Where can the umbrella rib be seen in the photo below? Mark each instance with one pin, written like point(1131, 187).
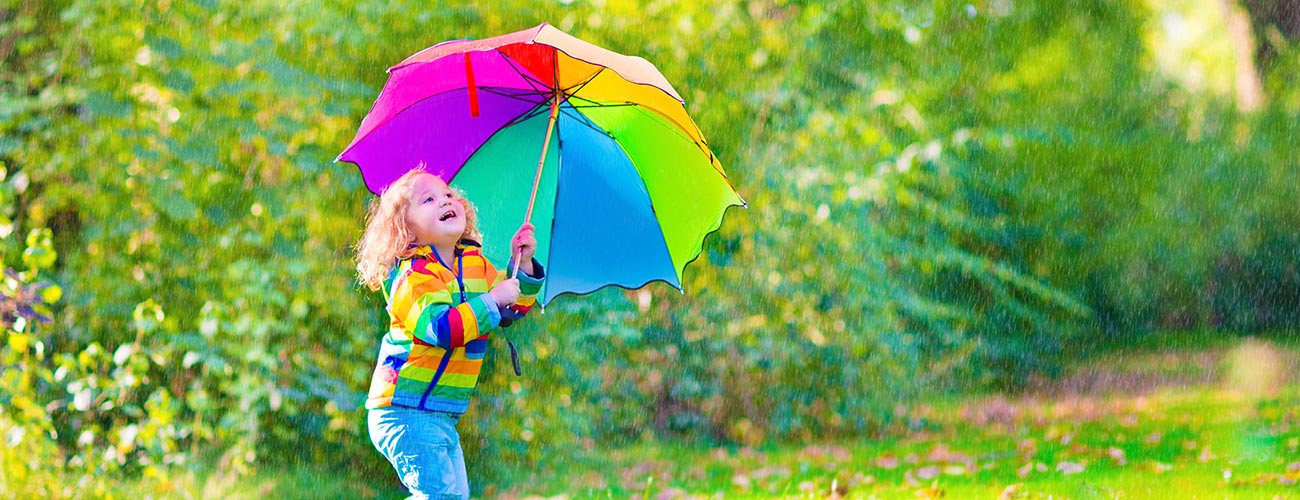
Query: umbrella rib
point(678, 129)
point(650, 199)
point(393, 115)
point(704, 147)
point(516, 96)
point(650, 112)
point(598, 104)
point(514, 121)
point(541, 90)
point(555, 201)
point(578, 87)
point(532, 113)
point(580, 118)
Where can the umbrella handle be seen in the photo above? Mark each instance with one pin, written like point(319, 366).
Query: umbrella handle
point(514, 259)
point(537, 179)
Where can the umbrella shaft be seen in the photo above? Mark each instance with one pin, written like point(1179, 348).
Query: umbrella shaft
point(537, 179)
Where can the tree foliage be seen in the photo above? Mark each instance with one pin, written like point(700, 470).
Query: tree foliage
point(943, 195)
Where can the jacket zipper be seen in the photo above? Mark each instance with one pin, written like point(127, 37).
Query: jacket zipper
point(446, 355)
point(442, 365)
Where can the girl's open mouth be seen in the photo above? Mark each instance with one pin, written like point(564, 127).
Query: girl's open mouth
point(448, 215)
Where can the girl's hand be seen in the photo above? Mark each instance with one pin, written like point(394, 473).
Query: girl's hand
point(524, 244)
point(506, 292)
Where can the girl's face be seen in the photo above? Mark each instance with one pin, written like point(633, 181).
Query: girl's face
point(435, 215)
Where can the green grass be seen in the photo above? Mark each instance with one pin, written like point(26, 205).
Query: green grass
point(1215, 417)
point(1200, 443)
point(1205, 416)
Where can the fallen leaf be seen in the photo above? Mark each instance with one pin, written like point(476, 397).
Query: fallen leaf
point(1028, 447)
point(860, 478)
point(941, 453)
point(1013, 492)
point(838, 453)
point(932, 493)
point(769, 471)
point(1117, 455)
point(1068, 468)
point(838, 490)
point(1160, 468)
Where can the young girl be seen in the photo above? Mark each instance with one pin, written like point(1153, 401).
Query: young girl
point(444, 299)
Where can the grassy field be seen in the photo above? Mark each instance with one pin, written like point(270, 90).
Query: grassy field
point(1208, 416)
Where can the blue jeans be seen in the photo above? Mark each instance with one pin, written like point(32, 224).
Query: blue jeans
point(424, 448)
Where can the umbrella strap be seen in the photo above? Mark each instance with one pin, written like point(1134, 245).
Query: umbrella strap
point(514, 356)
point(473, 89)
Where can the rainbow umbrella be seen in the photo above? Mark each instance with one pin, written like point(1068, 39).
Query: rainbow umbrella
point(624, 189)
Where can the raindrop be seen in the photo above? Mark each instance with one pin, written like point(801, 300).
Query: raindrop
point(912, 34)
point(20, 182)
point(143, 56)
point(823, 213)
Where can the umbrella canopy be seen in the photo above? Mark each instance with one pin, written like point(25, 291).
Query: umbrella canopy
point(626, 187)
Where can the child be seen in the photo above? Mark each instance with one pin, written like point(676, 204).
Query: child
point(444, 299)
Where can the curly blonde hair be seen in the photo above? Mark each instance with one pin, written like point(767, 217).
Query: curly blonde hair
point(387, 237)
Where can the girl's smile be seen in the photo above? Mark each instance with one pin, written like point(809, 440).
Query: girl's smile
point(435, 215)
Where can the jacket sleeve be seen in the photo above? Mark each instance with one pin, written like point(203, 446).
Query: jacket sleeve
point(423, 304)
point(529, 287)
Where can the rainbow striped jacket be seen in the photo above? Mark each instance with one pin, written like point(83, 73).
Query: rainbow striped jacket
point(441, 319)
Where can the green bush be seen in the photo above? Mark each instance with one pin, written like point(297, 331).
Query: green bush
point(943, 196)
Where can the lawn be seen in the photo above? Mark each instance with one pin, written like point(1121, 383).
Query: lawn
point(1200, 417)
point(1206, 418)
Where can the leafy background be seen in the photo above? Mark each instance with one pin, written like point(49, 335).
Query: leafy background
point(945, 197)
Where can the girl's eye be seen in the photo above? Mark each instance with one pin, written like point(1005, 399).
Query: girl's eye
point(429, 199)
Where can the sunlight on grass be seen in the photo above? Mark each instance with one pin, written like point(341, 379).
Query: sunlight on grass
point(1211, 419)
point(1235, 438)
